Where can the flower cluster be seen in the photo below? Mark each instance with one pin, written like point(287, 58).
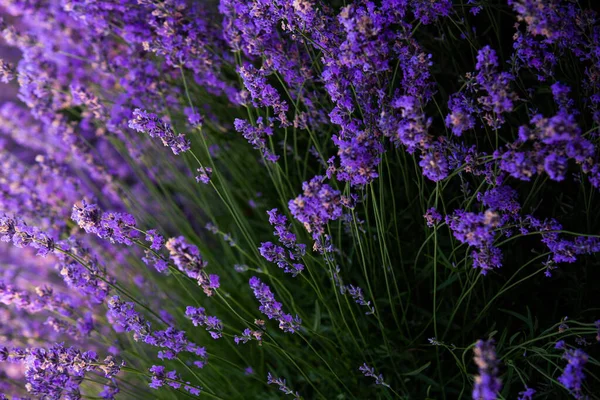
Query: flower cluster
point(171, 341)
point(370, 372)
point(186, 257)
point(272, 308)
point(57, 371)
point(160, 377)
point(271, 380)
point(487, 384)
point(288, 260)
point(411, 140)
point(199, 318)
point(149, 123)
point(112, 226)
point(573, 376)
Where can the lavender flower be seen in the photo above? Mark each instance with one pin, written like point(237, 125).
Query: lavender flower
point(113, 226)
point(432, 217)
point(57, 363)
point(149, 123)
point(272, 308)
point(318, 205)
point(527, 394)
point(155, 239)
point(370, 372)
point(262, 93)
point(7, 71)
point(188, 260)
point(478, 230)
point(357, 294)
point(487, 384)
point(256, 136)
point(161, 377)
point(171, 341)
point(573, 376)
point(204, 175)
point(248, 335)
point(199, 318)
point(435, 165)
point(271, 380)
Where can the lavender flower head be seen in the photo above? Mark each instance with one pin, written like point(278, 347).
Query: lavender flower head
point(573, 376)
point(149, 123)
point(487, 384)
point(370, 372)
point(272, 308)
point(271, 380)
point(187, 259)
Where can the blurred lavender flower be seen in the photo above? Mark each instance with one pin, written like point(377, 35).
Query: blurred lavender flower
point(573, 376)
point(527, 394)
point(271, 380)
point(7, 71)
point(370, 372)
point(204, 175)
point(487, 384)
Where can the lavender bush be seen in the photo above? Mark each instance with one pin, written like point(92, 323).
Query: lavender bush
point(260, 199)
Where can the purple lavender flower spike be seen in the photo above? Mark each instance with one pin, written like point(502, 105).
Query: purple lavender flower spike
point(271, 380)
point(573, 376)
point(487, 384)
point(149, 123)
point(370, 372)
point(272, 308)
point(199, 318)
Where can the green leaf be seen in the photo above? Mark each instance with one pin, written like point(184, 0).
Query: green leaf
point(418, 370)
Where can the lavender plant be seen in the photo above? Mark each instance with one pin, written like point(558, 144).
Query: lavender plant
point(257, 199)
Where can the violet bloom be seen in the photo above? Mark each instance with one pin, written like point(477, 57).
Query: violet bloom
point(318, 205)
point(257, 136)
point(487, 384)
point(272, 308)
point(194, 118)
point(161, 377)
point(359, 157)
point(149, 123)
point(434, 164)
point(500, 198)
point(286, 260)
point(428, 12)
point(57, 363)
point(112, 226)
point(124, 317)
point(499, 97)
point(432, 217)
point(573, 376)
point(204, 175)
point(271, 380)
point(460, 118)
point(199, 318)
point(357, 294)
point(155, 239)
point(22, 235)
point(262, 93)
point(478, 230)
point(82, 96)
point(248, 335)
point(187, 259)
point(170, 341)
point(370, 372)
point(527, 394)
point(7, 71)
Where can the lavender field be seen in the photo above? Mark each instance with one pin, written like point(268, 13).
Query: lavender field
point(303, 199)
